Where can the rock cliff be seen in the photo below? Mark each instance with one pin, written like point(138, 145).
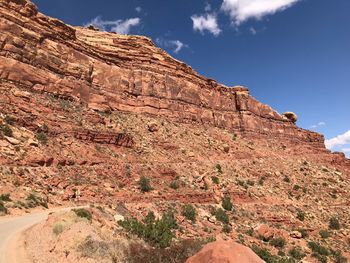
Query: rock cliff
point(112, 72)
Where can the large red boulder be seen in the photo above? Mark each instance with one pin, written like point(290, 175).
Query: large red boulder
point(225, 252)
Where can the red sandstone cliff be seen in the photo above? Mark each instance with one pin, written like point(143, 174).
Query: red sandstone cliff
point(109, 72)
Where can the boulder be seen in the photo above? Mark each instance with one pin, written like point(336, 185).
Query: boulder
point(225, 252)
point(290, 116)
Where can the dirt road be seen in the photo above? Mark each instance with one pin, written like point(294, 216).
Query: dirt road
point(11, 240)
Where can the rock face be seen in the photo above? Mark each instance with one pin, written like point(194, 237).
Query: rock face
point(111, 72)
point(225, 251)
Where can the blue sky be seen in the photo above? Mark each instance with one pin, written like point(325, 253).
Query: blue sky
point(292, 54)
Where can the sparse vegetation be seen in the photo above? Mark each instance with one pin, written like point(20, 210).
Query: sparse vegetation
point(227, 204)
point(158, 233)
point(33, 201)
point(278, 242)
point(3, 209)
point(334, 223)
point(269, 258)
point(83, 213)
point(175, 184)
point(6, 130)
point(5, 197)
point(324, 233)
point(297, 253)
point(189, 212)
point(300, 215)
point(318, 251)
point(221, 216)
point(226, 228)
point(58, 229)
point(215, 179)
point(218, 168)
point(145, 185)
point(42, 138)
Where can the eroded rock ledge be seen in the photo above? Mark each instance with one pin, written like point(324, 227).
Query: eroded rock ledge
point(108, 71)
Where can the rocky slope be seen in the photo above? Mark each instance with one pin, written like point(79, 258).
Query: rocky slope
point(84, 114)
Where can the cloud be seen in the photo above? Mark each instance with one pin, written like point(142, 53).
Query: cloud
point(242, 10)
point(176, 45)
point(346, 150)
point(207, 22)
point(117, 26)
point(339, 141)
point(138, 9)
point(207, 7)
point(253, 31)
point(320, 124)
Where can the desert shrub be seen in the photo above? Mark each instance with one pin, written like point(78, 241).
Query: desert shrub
point(158, 233)
point(42, 138)
point(303, 232)
point(94, 248)
point(324, 233)
point(278, 242)
point(3, 209)
point(33, 201)
point(297, 253)
point(250, 183)
point(221, 216)
point(227, 204)
point(334, 223)
point(264, 254)
point(189, 211)
point(58, 229)
point(5, 198)
point(6, 130)
point(218, 168)
point(215, 179)
point(9, 120)
point(300, 215)
point(145, 185)
point(178, 252)
point(286, 179)
point(226, 228)
point(338, 257)
point(318, 249)
point(175, 184)
point(83, 213)
point(296, 187)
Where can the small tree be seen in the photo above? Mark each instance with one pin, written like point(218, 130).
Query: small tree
point(189, 212)
point(227, 204)
point(145, 185)
point(221, 216)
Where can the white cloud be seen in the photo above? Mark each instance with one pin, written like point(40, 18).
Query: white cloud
point(176, 45)
point(242, 10)
point(320, 124)
point(253, 31)
point(339, 141)
point(138, 9)
point(207, 7)
point(117, 26)
point(346, 150)
point(206, 22)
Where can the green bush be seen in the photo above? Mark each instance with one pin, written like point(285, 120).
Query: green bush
point(226, 228)
point(278, 242)
point(6, 130)
point(42, 138)
point(3, 209)
point(5, 198)
point(83, 213)
point(264, 254)
point(221, 216)
point(227, 204)
point(297, 253)
point(58, 229)
point(33, 201)
point(338, 257)
point(318, 249)
point(324, 233)
point(218, 168)
point(189, 212)
point(334, 223)
point(300, 215)
point(158, 233)
point(145, 185)
point(303, 232)
point(215, 179)
point(175, 184)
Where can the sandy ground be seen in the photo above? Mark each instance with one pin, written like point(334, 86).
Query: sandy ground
point(11, 239)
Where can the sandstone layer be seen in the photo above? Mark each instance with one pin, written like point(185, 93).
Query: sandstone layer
point(108, 72)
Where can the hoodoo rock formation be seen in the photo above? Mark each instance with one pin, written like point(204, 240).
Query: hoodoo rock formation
point(108, 72)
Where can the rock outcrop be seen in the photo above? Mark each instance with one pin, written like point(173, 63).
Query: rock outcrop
point(112, 72)
point(225, 251)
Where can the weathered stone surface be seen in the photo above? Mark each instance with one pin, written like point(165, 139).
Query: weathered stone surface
point(225, 251)
point(110, 72)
